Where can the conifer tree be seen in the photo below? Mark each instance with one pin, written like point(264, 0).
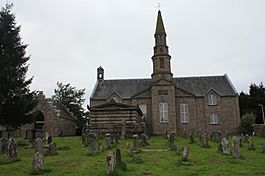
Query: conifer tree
point(16, 99)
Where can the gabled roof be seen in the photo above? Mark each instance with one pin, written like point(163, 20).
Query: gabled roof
point(198, 86)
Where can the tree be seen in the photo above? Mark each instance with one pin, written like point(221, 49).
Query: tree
point(249, 103)
point(16, 100)
point(246, 123)
point(73, 99)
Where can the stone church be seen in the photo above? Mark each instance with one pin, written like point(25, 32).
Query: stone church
point(168, 104)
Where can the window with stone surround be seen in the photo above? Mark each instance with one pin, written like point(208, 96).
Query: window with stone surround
point(163, 109)
point(213, 119)
point(184, 113)
point(143, 109)
point(212, 99)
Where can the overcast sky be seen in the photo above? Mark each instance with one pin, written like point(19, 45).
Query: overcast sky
point(69, 39)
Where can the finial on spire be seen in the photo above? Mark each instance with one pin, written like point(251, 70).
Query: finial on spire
point(159, 24)
point(159, 6)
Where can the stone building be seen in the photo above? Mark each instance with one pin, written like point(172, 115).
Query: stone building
point(173, 104)
point(51, 117)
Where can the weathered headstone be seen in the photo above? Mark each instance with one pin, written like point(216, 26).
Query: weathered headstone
point(39, 147)
point(110, 164)
point(38, 162)
point(174, 147)
point(52, 149)
point(129, 150)
point(171, 139)
point(250, 144)
point(108, 141)
point(11, 152)
point(204, 140)
point(117, 157)
point(185, 154)
point(84, 142)
point(49, 140)
point(46, 136)
point(3, 145)
point(135, 143)
point(191, 139)
point(225, 146)
point(236, 152)
point(246, 138)
point(143, 139)
point(123, 129)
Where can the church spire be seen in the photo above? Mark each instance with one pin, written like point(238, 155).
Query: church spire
point(161, 58)
point(160, 29)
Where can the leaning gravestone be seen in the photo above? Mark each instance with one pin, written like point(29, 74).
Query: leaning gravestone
point(236, 144)
point(39, 145)
point(110, 164)
point(11, 152)
point(52, 149)
point(135, 143)
point(225, 146)
point(37, 161)
point(185, 154)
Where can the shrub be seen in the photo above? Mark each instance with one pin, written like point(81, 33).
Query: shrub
point(246, 124)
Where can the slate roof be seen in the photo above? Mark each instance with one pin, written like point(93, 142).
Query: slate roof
point(198, 86)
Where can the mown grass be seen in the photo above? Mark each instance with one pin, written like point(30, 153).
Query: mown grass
point(72, 160)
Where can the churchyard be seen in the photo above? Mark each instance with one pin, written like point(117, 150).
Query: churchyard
point(163, 156)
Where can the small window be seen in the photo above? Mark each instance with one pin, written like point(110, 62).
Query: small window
point(184, 113)
point(212, 99)
point(163, 109)
point(214, 119)
point(162, 63)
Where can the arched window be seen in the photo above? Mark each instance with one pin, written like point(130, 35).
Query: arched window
point(214, 118)
point(163, 109)
point(184, 113)
point(212, 99)
point(143, 109)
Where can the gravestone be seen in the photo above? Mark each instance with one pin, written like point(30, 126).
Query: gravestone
point(93, 145)
point(108, 141)
point(49, 140)
point(143, 139)
point(39, 145)
point(129, 150)
point(38, 133)
point(204, 140)
point(3, 145)
point(185, 154)
point(191, 139)
point(46, 136)
point(171, 139)
point(250, 144)
point(11, 152)
point(246, 138)
point(110, 164)
point(117, 157)
point(37, 161)
point(52, 149)
point(236, 153)
point(135, 143)
point(174, 147)
point(225, 146)
point(84, 143)
point(123, 129)
point(263, 148)
point(216, 136)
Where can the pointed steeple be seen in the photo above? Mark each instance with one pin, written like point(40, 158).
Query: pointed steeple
point(161, 57)
point(160, 29)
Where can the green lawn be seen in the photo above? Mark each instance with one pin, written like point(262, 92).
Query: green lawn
point(205, 161)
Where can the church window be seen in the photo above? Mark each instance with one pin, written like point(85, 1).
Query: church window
point(214, 119)
point(163, 109)
point(162, 62)
point(212, 99)
point(184, 113)
point(143, 109)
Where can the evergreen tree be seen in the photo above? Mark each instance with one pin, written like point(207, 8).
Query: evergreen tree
point(16, 100)
point(73, 99)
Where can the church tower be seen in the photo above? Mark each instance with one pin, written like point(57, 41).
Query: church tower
point(161, 58)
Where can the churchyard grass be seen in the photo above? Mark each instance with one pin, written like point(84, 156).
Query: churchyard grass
point(72, 159)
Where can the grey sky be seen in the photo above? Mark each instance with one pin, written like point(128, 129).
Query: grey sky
point(69, 39)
